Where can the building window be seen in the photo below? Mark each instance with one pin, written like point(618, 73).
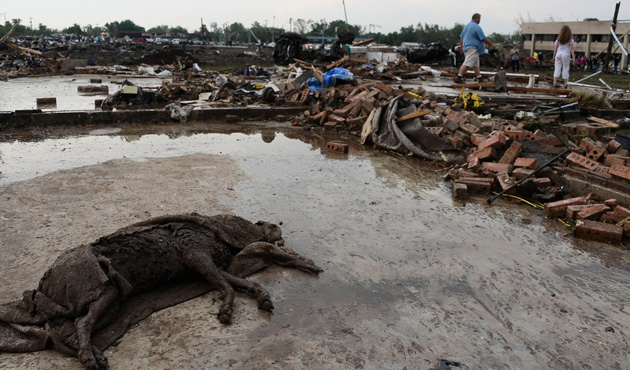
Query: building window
point(527, 37)
point(579, 38)
point(599, 38)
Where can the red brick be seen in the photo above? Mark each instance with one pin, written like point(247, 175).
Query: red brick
point(607, 218)
point(488, 153)
point(596, 154)
point(529, 163)
point(513, 151)
point(542, 183)
point(505, 181)
point(468, 128)
point(476, 139)
point(593, 212)
point(456, 143)
point(620, 171)
point(337, 147)
point(580, 160)
point(521, 173)
point(613, 159)
point(517, 135)
point(613, 146)
point(592, 230)
point(559, 208)
point(620, 213)
point(460, 191)
point(474, 164)
point(587, 145)
point(572, 211)
point(456, 174)
point(612, 203)
point(475, 186)
point(456, 116)
point(497, 167)
point(496, 142)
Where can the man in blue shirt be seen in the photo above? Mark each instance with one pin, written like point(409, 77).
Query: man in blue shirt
point(472, 40)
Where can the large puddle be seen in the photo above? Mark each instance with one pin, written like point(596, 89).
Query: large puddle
point(22, 93)
point(411, 275)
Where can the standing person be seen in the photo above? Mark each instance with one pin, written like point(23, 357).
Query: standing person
point(472, 40)
point(516, 58)
point(562, 55)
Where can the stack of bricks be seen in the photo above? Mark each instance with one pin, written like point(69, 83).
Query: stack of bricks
point(496, 153)
point(343, 106)
point(607, 160)
point(606, 221)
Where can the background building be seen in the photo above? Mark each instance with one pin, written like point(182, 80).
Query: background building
point(591, 37)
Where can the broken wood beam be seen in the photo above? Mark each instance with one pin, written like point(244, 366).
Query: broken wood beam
point(417, 114)
point(364, 42)
point(539, 90)
point(474, 86)
point(11, 45)
point(602, 121)
point(318, 75)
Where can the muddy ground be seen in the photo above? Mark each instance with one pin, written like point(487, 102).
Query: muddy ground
point(411, 276)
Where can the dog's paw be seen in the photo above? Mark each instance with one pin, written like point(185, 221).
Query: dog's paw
point(264, 302)
point(225, 315)
point(92, 358)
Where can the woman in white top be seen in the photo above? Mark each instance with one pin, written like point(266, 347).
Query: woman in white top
point(562, 55)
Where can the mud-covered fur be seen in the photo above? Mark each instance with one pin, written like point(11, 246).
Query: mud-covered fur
point(84, 288)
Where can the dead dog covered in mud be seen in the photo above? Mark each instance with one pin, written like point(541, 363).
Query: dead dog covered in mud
point(93, 293)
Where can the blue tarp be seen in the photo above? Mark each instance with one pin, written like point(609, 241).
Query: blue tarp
point(331, 77)
point(314, 84)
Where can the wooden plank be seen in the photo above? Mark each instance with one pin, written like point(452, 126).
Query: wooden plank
point(335, 63)
point(602, 121)
point(318, 75)
point(364, 42)
point(474, 86)
point(355, 59)
point(420, 113)
point(23, 50)
point(540, 90)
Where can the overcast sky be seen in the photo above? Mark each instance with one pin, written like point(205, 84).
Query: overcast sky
point(390, 15)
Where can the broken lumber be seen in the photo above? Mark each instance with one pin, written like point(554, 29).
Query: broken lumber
point(602, 121)
point(23, 50)
point(474, 86)
point(540, 90)
point(364, 42)
point(420, 113)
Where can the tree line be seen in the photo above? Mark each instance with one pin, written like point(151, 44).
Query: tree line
point(238, 32)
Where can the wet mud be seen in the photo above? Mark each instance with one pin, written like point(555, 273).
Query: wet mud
point(411, 276)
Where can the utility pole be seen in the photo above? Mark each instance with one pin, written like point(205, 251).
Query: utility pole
point(31, 19)
point(346, 14)
point(202, 33)
point(610, 39)
point(273, 30)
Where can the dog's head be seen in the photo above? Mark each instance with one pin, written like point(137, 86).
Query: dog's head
point(272, 233)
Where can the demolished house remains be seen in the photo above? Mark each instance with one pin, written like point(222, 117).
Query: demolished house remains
point(511, 136)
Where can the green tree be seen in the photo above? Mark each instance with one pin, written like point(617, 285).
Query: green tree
point(262, 33)
point(75, 29)
point(340, 26)
point(123, 26)
point(159, 29)
point(236, 32)
point(178, 29)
